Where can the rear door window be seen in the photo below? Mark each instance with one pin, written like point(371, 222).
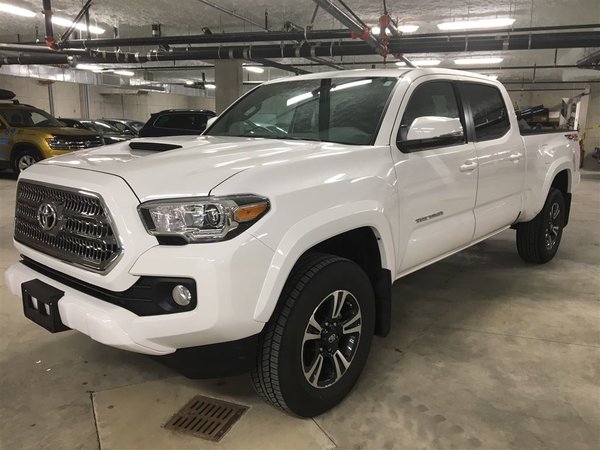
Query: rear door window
point(489, 112)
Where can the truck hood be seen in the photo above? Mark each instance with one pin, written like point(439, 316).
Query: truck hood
point(201, 163)
point(61, 131)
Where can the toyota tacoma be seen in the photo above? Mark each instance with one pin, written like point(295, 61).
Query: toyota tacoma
point(271, 242)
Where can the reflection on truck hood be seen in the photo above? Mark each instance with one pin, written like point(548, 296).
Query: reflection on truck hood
point(194, 169)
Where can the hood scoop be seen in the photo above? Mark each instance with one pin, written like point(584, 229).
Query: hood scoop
point(153, 146)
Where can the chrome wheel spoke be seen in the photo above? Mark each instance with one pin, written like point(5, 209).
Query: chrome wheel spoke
point(341, 364)
point(339, 298)
point(311, 335)
point(352, 325)
point(313, 374)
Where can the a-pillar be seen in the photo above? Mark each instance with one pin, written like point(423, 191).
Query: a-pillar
point(229, 82)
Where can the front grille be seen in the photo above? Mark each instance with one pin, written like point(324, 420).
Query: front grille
point(75, 142)
point(78, 229)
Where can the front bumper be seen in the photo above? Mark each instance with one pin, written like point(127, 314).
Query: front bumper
point(228, 277)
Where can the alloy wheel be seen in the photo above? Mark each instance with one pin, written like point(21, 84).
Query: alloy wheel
point(331, 339)
point(552, 226)
point(25, 161)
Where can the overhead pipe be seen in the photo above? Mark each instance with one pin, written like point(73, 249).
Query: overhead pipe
point(299, 35)
point(402, 45)
point(49, 36)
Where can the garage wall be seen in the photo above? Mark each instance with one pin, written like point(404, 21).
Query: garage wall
point(104, 102)
point(28, 90)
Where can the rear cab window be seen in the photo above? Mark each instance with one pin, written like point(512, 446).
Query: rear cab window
point(182, 121)
point(489, 112)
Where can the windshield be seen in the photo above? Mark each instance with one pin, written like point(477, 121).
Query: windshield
point(28, 118)
point(100, 127)
point(342, 110)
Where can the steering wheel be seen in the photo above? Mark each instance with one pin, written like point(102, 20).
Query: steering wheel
point(269, 129)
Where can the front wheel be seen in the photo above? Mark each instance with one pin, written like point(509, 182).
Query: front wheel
point(25, 159)
point(314, 348)
point(538, 239)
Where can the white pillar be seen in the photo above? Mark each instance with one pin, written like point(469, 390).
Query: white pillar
point(229, 82)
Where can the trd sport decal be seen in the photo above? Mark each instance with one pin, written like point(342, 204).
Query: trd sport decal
point(430, 216)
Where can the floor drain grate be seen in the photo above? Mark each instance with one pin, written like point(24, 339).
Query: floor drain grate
point(205, 417)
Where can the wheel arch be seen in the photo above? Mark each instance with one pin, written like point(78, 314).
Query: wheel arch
point(364, 238)
point(22, 146)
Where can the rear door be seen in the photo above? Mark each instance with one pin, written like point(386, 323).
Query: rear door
point(437, 177)
point(500, 155)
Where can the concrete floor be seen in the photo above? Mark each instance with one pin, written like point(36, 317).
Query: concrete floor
point(486, 352)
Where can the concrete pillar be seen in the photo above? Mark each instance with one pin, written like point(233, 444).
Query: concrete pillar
point(229, 81)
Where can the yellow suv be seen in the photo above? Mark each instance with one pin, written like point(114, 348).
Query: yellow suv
point(28, 135)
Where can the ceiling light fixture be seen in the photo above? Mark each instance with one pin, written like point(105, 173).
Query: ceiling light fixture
point(209, 86)
point(17, 11)
point(402, 28)
point(189, 82)
point(254, 69)
point(499, 22)
point(93, 67)
point(478, 61)
point(80, 26)
point(421, 62)
point(125, 73)
point(408, 28)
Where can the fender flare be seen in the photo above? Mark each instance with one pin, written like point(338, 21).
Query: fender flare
point(322, 225)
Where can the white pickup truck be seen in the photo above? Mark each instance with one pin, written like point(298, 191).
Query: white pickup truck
point(271, 242)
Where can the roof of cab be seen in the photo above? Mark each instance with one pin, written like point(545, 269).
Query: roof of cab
point(392, 72)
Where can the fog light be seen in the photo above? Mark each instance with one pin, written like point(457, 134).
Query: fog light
point(181, 295)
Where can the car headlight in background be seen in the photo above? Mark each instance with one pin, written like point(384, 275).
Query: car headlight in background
point(206, 219)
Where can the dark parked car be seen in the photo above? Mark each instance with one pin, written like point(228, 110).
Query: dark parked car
point(173, 122)
point(109, 134)
point(124, 125)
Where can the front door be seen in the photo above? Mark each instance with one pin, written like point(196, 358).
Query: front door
point(436, 170)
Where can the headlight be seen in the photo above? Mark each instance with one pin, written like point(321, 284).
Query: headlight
point(206, 219)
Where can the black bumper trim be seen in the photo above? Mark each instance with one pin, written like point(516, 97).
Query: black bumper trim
point(149, 296)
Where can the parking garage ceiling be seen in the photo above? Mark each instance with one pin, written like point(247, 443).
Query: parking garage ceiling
point(134, 18)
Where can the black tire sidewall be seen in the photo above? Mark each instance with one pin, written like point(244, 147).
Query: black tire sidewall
point(300, 397)
point(554, 196)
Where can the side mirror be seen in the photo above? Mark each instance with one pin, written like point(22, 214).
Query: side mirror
point(432, 131)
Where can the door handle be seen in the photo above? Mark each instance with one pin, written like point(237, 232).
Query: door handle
point(468, 166)
point(515, 157)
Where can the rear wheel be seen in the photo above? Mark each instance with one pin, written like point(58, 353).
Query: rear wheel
point(26, 158)
point(538, 239)
point(314, 348)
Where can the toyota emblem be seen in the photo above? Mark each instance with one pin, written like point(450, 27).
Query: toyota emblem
point(47, 216)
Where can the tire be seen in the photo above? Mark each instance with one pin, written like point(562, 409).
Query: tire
point(25, 158)
point(287, 372)
point(538, 240)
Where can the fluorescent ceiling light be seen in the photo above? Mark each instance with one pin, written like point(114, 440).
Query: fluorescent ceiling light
point(421, 62)
point(189, 82)
point(478, 61)
point(298, 98)
point(499, 22)
point(11, 9)
point(402, 28)
point(80, 26)
point(209, 86)
point(125, 73)
point(408, 28)
point(93, 67)
point(254, 69)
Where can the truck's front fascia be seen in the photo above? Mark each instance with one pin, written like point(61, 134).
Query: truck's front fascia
point(227, 276)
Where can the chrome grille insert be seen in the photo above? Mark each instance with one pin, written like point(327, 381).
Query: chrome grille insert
point(82, 234)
